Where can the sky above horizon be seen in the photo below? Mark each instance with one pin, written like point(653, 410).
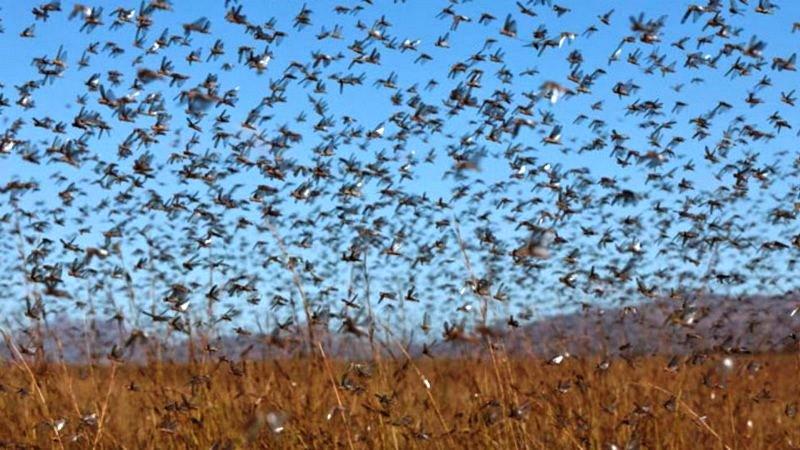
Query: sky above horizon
point(518, 180)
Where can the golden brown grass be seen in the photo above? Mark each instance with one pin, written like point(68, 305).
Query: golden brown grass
point(471, 403)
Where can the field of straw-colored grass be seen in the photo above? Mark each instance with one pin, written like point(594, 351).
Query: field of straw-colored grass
point(744, 402)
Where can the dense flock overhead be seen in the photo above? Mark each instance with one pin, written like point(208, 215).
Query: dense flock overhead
point(442, 170)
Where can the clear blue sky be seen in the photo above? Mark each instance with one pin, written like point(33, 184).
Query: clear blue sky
point(370, 106)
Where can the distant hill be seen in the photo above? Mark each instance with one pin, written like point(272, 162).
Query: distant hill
point(663, 326)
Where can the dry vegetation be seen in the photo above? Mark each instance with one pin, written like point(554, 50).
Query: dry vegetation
point(494, 402)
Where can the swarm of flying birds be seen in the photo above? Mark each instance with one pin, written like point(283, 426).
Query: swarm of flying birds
point(256, 169)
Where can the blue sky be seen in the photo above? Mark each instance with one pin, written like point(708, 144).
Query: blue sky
point(371, 106)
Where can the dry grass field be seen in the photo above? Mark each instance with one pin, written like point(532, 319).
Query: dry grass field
point(737, 402)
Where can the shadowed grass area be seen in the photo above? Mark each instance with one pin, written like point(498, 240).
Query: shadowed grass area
point(714, 402)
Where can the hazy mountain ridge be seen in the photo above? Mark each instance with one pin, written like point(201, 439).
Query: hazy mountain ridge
point(708, 323)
